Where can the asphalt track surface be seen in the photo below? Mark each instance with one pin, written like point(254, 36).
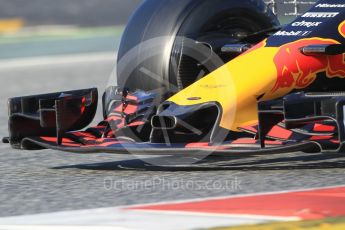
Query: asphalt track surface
point(47, 181)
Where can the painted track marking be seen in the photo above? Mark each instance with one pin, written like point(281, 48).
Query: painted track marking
point(306, 205)
point(201, 213)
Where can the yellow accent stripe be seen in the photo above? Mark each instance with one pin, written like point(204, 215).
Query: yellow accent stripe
point(331, 223)
point(11, 25)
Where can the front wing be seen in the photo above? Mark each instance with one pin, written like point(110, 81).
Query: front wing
point(54, 121)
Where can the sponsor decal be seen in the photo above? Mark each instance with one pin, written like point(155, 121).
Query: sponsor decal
point(342, 29)
point(297, 71)
point(325, 5)
point(299, 33)
point(320, 14)
point(306, 24)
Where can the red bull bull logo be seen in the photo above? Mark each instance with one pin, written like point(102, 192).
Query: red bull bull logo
point(297, 71)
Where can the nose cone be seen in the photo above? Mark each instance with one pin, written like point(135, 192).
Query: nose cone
point(236, 86)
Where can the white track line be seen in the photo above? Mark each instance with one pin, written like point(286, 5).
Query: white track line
point(47, 227)
point(125, 219)
point(56, 60)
